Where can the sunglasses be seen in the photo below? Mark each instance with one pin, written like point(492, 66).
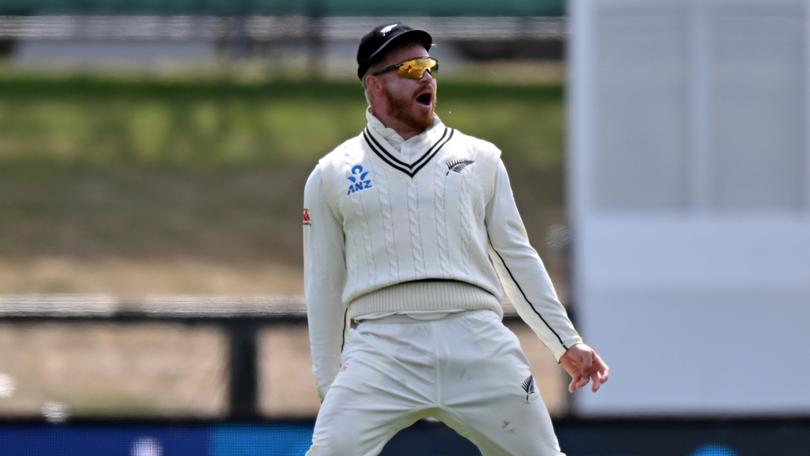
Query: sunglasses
point(412, 68)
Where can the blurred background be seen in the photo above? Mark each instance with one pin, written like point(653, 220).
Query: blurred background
point(152, 162)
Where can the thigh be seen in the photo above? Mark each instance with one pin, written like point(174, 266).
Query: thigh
point(374, 396)
point(499, 407)
point(506, 426)
point(349, 423)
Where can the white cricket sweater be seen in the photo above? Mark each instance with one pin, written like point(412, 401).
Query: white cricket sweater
point(427, 224)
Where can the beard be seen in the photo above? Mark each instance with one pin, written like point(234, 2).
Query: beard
point(404, 110)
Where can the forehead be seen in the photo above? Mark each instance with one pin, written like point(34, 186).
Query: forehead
point(405, 52)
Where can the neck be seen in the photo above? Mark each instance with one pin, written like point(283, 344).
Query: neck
point(403, 129)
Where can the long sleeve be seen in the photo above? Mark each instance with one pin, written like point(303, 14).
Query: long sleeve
point(324, 280)
point(522, 273)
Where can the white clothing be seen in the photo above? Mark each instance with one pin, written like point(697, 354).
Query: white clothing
point(437, 230)
point(403, 147)
point(397, 370)
point(407, 147)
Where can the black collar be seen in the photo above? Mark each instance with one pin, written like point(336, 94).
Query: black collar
point(412, 168)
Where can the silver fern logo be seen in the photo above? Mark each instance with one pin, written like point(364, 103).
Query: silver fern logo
point(385, 30)
point(457, 166)
point(528, 386)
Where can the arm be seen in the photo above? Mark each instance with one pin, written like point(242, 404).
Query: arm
point(324, 279)
point(529, 288)
point(522, 273)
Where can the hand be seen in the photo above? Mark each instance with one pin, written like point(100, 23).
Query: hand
point(583, 364)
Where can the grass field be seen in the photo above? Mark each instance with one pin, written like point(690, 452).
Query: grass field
point(194, 177)
point(130, 187)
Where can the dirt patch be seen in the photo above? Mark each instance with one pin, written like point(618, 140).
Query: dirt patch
point(135, 277)
point(91, 369)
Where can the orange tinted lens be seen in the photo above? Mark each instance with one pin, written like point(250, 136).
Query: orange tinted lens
point(415, 68)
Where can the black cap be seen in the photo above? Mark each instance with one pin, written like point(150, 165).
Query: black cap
point(381, 38)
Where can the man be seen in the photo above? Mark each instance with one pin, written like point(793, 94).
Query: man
point(410, 233)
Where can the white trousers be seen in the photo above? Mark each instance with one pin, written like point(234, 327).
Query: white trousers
point(466, 369)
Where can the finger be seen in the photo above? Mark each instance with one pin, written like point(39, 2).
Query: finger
point(597, 360)
point(583, 380)
point(597, 381)
point(577, 382)
point(602, 367)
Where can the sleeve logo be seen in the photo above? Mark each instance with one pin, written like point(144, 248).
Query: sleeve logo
point(307, 220)
point(358, 180)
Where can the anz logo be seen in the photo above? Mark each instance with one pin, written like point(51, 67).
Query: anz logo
point(358, 180)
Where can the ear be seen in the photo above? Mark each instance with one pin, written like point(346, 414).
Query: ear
point(373, 84)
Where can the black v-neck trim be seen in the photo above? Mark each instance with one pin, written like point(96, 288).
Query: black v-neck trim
point(413, 168)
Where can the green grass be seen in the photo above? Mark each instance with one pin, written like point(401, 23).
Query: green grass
point(203, 123)
point(110, 166)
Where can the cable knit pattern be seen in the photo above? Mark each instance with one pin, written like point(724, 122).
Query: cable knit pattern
point(372, 270)
point(440, 212)
point(351, 265)
point(464, 209)
point(413, 224)
point(388, 228)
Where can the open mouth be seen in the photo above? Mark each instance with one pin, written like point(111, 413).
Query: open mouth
point(425, 99)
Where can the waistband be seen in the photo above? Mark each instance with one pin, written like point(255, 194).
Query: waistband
point(424, 295)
